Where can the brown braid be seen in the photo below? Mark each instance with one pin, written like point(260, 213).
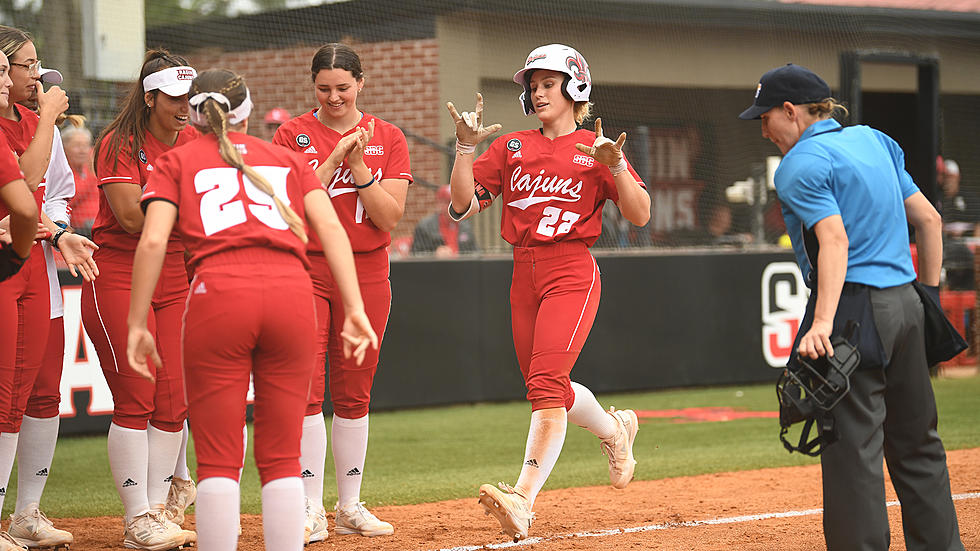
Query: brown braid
point(218, 123)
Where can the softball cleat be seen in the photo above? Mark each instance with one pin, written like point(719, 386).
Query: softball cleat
point(510, 508)
point(619, 448)
point(32, 529)
point(355, 519)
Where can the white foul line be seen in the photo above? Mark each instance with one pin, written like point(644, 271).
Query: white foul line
point(666, 526)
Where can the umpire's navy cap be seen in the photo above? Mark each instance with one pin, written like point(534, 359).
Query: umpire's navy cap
point(792, 83)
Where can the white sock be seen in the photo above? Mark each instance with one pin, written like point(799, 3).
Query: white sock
point(348, 440)
point(8, 451)
point(218, 514)
point(545, 438)
point(283, 514)
point(35, 450)
point(128, 461)
point(588, 414)
point(313, 456)
point(181, 471)
point(163, 448)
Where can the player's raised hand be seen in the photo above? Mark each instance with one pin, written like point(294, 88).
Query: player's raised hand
point(139, 346)
point(603, 149)
point(358, 335)
point(469, 125)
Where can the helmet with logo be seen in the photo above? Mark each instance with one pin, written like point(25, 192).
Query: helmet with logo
point(560, 58)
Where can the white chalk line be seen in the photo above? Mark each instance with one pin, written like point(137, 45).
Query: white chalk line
point(666, 526)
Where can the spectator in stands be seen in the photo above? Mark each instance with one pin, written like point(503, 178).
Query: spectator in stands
point(960, 208)
point(961, 219)
point(85, 205)
point(439, 234)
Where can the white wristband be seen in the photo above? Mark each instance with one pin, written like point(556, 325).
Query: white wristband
point(619, 167)
point(464, 149)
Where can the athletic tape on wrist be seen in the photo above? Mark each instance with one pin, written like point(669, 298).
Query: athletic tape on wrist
point(465, 149)
point(619, 167)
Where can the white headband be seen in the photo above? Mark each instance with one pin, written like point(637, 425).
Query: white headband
point(235, 115)
point(173, 81)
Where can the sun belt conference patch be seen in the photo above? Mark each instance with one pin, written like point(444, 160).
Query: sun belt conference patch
point(514, 144)
point(302, 140)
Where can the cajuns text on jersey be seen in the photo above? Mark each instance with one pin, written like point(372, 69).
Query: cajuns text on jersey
point(551, 191)
point(386, 156)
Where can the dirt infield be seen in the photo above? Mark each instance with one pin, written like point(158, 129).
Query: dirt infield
point(593, 518)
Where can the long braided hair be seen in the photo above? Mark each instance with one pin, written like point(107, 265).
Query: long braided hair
point(233, 87)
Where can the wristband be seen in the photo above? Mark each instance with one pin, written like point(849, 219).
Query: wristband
point(465, 149)
point(619, 167)
point(62, 225)
point(369, 184)
point(57, 236)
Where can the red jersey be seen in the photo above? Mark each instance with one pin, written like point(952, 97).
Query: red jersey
point(386, 156)
point(9, 169)
point(106, 231)
point(19, 135)
point(551, 191)
point(219, 209)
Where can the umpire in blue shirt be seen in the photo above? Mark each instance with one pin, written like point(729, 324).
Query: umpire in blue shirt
point(847, 201)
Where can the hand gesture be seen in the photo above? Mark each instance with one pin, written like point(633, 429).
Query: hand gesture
point(51, 103)
point(603, 149)
point(363, 136)
point(358, 334)
point(469, 126)
point(77, 251)
point(139, 346)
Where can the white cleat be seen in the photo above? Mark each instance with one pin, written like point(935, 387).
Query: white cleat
point(316, 523)
point(151, 531)
point(181, 495)
point(32, 529)
point(509, 507)
point(355, 519)
point(619, 448)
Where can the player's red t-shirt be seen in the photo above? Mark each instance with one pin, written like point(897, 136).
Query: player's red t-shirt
point(219, 209)
point(386, 156)
point(19, 135)
point(551, 191)
point(106, 231)
point(9, 169)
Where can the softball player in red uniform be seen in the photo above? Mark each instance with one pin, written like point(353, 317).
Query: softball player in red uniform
point(553, 187)
point(148, 418)
point(243, 226)
point(368, 187)
point(34, 138)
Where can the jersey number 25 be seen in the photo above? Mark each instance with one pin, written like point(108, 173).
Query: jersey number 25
point(220, 186)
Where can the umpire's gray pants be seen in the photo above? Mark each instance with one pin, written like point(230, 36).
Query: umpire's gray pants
point(891, 410)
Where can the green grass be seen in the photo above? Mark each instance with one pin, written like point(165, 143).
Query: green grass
point(435, 454)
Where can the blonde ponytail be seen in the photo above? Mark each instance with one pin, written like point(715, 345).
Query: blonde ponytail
point(218, 122)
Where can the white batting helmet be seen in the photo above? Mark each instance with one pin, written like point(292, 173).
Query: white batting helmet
point(560, 58)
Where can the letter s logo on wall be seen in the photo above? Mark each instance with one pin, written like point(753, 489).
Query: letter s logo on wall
point(784, 297)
